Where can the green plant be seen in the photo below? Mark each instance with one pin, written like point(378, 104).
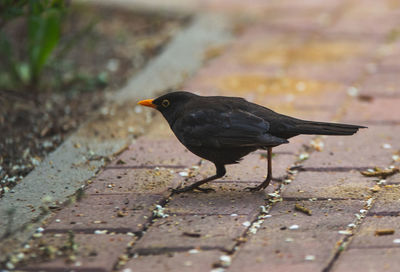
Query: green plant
point(43, 19)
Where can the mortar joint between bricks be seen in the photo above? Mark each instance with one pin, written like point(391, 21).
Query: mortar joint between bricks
point(351, 231)
point(127, 254)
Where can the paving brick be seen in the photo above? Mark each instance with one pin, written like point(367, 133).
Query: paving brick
point(323, 106)
point(116, 181)
point(277, 248)
point(365, 237)
point(216, 203)
point(368, 19)
point(379, 111)
point(295, 146)
point(185, 261)
point(343, 73)
point(394, 180)
point(260, 7)
point(101, 212)
point(388, 201)
point(389, 63)
point(94, 252)
point(368, 260)
point(328, 5)
point(362, 150)
point(303, 24)
point(323, 211)
point(348, 185)
point(179, 233)
point(155, 152)
point(384, 83)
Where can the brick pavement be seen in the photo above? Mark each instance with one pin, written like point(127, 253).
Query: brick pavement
point(325, 60)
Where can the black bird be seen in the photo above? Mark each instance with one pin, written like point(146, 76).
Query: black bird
point(225, 129)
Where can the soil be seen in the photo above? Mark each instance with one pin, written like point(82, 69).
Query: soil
point(32, 124)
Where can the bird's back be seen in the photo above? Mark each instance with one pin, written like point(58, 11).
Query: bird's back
point(280, 125)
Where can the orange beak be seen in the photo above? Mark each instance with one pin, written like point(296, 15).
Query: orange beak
point(147, 103)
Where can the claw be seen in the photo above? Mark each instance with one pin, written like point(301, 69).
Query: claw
point(190, 188)
point(253, 189)
point(205, 190)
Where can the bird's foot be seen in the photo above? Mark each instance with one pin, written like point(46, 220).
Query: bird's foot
point(254, 189)
point(191, 188)
point(205, 190)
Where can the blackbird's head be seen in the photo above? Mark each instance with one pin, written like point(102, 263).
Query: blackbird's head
point(170, 105)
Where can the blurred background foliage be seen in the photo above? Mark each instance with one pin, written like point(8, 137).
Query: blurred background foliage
point(31, 40)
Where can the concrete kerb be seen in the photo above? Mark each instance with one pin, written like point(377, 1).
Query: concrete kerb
point(67, 169)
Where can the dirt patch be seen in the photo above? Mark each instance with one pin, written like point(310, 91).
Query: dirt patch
point(119, 44)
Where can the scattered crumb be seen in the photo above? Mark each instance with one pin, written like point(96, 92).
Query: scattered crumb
point(309, 258)
point(375, 189)
point(225, 260)
point(302, 209)
point(158, 212)
point(352, 91)
point(386, 146)
point(317, 144)
point(381, 232)
point(246, 224)
point(382, 173)
point(304, 156)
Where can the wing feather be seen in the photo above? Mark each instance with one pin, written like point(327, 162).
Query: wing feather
point(235, 128)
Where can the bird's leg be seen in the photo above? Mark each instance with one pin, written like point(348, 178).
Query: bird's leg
point(220, 173)
point(269, 175)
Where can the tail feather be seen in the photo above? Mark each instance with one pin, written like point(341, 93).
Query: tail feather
point(322, 128)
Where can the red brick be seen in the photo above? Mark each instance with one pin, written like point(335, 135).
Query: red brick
point(323, 106)
point(185, 261)
point(260, 7)
point(385, 82)
point(155, 152)
point(389, 63)
point(285, 215)
point(216, 203)
point(344, 73)
point(364, 149)
point(394, 179)
point(94, 253)
point(365, 237)
point(116, 181)
point(100, 212)
point(377, 111)
point(348, 185)
point(328, 5)
point(168, 234)
point(369, 19)
point(388, 200)
point(317, 235)
point(361, 260)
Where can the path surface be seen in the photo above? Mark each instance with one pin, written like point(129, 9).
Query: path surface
point(318, 60)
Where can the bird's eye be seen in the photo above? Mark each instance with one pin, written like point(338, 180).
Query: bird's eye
point(165, 103)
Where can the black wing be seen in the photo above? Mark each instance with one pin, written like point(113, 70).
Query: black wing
point(213, 129)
